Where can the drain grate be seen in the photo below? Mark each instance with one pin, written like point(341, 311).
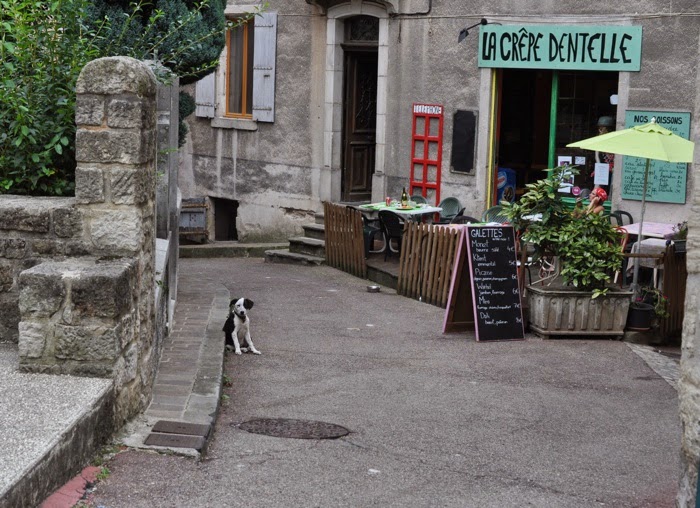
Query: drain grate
point(296, 429)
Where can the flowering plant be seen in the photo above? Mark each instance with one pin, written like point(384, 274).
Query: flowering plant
point(680, 231)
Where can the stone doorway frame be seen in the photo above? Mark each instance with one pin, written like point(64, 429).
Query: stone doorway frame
point(330, 184)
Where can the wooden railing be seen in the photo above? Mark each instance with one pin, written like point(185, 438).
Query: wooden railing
point(344, 239)
point(427, 256)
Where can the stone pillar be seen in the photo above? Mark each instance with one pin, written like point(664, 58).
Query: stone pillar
point(689, 383)
point(95, 315)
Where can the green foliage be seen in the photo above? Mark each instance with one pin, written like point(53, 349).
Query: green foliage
point(186, 107)
point(680, 231)
point(587, 245)
point(185, 36)
point(43, 47)
point(657, 299)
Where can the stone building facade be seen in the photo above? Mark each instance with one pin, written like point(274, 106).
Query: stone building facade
point(503, 87)
point(349, 78)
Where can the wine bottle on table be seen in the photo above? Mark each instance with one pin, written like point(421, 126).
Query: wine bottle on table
point(404, 197)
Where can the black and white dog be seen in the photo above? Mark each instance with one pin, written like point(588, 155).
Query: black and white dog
point(237, 327)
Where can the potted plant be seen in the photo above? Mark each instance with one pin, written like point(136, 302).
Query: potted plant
point(580, 300)
point(679, 236)
point(650, 304)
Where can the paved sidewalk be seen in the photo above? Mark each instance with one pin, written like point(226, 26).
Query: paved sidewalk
point(187, 389)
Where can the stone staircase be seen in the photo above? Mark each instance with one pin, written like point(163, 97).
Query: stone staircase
point(309, 249)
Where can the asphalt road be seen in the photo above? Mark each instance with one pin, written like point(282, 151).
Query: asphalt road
point(434, 420)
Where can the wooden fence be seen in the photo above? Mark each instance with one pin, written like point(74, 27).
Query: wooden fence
point(675, 276)
point(344, 239)
point(427, 256)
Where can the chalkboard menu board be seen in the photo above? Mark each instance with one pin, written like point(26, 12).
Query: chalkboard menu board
point(667, 180)
point(493, 268)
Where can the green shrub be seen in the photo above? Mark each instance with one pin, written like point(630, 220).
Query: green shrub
point(43, 47)
point(185, 36)
point(186, 106)
point(587, 245)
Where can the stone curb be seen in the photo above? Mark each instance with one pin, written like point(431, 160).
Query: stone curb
point(203, 402)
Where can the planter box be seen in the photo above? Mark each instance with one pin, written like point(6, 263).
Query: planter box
point(563, 311)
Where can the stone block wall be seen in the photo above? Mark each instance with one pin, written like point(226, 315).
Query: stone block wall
point(33, 230)
point(83, 269)
point(689, 383)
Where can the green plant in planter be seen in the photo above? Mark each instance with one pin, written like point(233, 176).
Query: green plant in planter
point(657, 299)
point(587, 245)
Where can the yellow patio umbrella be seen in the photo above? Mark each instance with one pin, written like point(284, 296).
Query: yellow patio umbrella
point(650, 141)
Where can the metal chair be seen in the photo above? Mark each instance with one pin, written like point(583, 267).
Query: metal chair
point(392, 225)
point(450, 209)
point(495, 214)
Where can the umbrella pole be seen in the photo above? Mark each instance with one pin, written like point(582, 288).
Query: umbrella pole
point(635, 277)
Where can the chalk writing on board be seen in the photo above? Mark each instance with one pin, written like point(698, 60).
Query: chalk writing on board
point(667, 180)
point(494, 277)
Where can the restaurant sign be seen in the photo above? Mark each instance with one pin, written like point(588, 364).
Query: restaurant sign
point(576, 47)
point(666, 180)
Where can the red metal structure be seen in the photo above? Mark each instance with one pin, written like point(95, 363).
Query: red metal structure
point(426, 150)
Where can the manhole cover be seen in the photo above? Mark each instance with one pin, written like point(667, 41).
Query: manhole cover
point(297, 429)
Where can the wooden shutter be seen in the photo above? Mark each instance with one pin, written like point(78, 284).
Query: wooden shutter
point(264, 54)
point(205, 96)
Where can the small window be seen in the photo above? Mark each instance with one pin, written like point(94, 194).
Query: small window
point(239, 70)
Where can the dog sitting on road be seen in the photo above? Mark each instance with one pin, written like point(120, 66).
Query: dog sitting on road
point(237, 327)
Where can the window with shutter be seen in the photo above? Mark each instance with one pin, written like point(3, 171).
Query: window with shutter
point(250, 69)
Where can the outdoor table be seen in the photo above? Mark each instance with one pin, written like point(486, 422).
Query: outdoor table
point(650, 229)
point(410, 212)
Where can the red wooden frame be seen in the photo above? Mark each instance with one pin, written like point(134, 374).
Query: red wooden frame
point(426, 112)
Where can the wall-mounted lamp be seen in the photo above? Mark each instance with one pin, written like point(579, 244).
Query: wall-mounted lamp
point(465, 31)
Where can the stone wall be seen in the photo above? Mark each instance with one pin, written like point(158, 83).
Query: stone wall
point(33, 230)
point(689, 383)
point(80, 272)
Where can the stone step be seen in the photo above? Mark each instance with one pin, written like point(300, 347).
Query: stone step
point(318, 218)
point(316, 231)
point(308, 246)
point(228, 250)
point(284, 256)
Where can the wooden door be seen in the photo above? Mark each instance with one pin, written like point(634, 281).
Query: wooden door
point(359, 123)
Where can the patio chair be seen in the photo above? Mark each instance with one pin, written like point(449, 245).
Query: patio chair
point(419, 199)
point(371, 230)
point(463, 219)
point(450, 209)
point(392, 226)
point(495, 214)
point(620, 218)
point(625, 248)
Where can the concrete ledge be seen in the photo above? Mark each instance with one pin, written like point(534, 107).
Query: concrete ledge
point(228, 250)
point(51, 430)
